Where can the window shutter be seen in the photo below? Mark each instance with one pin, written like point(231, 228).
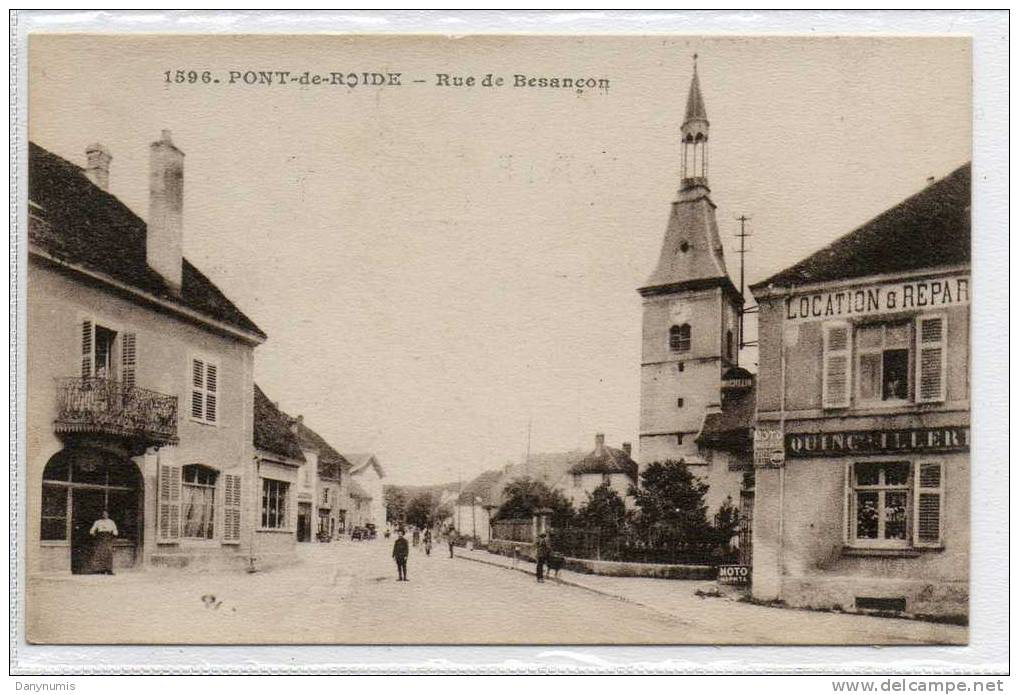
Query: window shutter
point(169, 485)
point(928, 504)
point(211, 383)
point(847, 534)
point(128, 359)
point(197, 389)
point(87, 349)
point(837, 372)
point(931, 332)
point(231, 508)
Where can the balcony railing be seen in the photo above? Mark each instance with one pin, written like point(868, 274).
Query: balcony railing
point(100, 406)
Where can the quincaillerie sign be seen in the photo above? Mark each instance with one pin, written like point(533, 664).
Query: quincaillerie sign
point(928, 440)
point(931, 293)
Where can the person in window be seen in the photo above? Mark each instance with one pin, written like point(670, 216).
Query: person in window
point(104, 530)
point(400, 552)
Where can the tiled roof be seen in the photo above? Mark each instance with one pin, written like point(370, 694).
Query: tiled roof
point(608, 460)
point(85, 225)
point(927, 230)
point(732, 428)
point(272, 431)
point(330, 461)
point(484, 487)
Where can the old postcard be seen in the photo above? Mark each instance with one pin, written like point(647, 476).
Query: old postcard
point(499, 340)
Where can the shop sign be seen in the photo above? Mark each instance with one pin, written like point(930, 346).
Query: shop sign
point(829, 305)
point(926, 440)
point(734, 574)
point(769, 449)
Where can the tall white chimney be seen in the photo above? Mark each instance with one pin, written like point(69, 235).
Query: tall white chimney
point(97, 167)
point(164, 244)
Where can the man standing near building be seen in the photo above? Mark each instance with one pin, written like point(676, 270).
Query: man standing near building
point(400, 552)
point(542, 550)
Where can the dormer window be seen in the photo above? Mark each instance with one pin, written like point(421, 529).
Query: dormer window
point(679, 338)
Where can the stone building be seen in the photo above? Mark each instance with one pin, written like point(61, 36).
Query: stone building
point(690, 319)
point(139, 377)
point(327, 501)
point(366, 470)
point(863, 393)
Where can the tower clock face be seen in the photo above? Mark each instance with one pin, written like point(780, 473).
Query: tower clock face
point(679, 312)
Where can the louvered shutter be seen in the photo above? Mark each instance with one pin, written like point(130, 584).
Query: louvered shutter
point(197, 389)
point(128, 359)
point(837, 365)
point(231, 508)
point(931, 333)
point(169, 489)
point(211, 384)
point(87, 349)
point(847, 532)
point(928, 504)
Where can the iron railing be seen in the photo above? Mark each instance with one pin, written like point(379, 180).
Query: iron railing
point(95, 405)
point(656, 545)
point(518, 530)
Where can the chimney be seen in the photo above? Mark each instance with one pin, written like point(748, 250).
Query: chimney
point(627, 449)
point(599, 443)
point(164, 245)
point(296, 423)
point(97, 167)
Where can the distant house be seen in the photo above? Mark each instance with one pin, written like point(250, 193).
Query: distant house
point(278, 458)
point(604, 465)
point(360, 505)
point(325, 502)
point(366, 470)
point(476, 504)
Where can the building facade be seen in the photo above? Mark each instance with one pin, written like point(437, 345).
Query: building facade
point(327, 481)
point(278, 460)
point(864, 396)
point(690, 317)
point(369, 474)
point(140, 377)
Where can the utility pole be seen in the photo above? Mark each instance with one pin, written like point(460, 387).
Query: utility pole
point(743, 310)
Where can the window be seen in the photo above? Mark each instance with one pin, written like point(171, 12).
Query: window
point(198, 501)
point(204, 391)
point(679, 338)
point(606, 479)
point(275, 495)
point(883, 361)
point(681, 367)
point(679, 438)
point(577, 480)
point(931, 332)
point(101, 347)
point(728, 345)
point(54, 512)
point(889, 504)
point(679, 402)
point(93, 475)
point(836, 365)
point(325, 495)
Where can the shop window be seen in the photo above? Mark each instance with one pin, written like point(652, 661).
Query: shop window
point(198, 501)
point(883, 358)
point(275, 503)
point(679, 338)
point(54, 512)
point(891, 505)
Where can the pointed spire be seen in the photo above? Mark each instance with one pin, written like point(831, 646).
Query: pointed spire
point(695, 110)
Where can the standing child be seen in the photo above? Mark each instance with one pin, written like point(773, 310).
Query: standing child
point(400, 552)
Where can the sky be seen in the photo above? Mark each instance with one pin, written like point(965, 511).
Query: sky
point(441, 269)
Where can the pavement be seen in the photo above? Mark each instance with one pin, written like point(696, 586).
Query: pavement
point(347, 593)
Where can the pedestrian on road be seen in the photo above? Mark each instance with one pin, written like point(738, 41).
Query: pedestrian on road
point(542, 550)
point(400, 553)
point(428, 541)
point(416, 536)
point(451, 539)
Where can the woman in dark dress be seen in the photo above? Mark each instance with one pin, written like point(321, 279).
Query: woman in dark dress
point(104, 531)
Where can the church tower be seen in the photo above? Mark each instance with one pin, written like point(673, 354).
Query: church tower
point(691, 310)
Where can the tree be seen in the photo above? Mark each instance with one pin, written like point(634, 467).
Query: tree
point(671, 502)
point(396, 504)
point(421, 510)
point(726, 523)
point(604, 509)
point(524, 496)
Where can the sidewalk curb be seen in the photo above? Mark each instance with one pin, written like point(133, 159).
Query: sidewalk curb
point(567, 582)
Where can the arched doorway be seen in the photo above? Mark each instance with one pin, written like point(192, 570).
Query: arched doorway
point(78, 484)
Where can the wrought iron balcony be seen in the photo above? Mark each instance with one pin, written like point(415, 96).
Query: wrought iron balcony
point(104, 407)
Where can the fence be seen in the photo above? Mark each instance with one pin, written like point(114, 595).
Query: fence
point(657, 545)
point(518, 530)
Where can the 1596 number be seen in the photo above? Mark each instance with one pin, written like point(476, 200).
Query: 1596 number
point(187, 77)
